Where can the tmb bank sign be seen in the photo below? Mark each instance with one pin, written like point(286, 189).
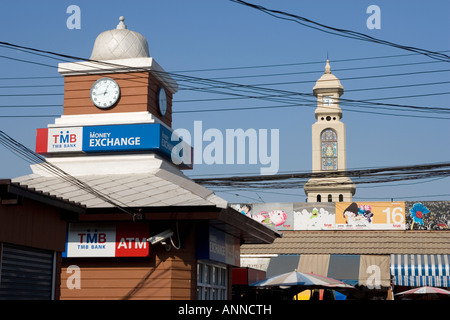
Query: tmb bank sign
point(107, 240)
point(111, 138)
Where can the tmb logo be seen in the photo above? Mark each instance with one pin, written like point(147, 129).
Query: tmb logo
point(65, 138)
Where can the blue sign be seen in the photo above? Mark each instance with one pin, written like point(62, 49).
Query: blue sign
point(121, 137)
point(113, 138)
point(216, 245)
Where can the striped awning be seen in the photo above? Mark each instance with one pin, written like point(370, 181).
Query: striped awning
point(365, 270)
point(417, 270)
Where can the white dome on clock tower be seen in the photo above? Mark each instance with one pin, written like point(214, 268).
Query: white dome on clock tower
point(327, 82)
point(120, 43)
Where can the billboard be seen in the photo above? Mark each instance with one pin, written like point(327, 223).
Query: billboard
point(427, 215)
point(291, 215)
point(278, 215)
point(370, 215)
point(327, 215)
point(314, 216)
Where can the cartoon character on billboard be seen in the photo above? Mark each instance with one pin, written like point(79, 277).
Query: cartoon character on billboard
point(313, 218)
point(418, 212)
point(246, 210)
point(277, 217)
point(314, 213)
point(274, 217)
point(260, 217)
point(355, 215)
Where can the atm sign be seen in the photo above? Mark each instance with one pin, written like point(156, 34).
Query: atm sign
point(107, 240)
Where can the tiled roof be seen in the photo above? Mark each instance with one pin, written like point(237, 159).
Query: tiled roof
point(38, 195)
point(355, 242)
point(159, 189)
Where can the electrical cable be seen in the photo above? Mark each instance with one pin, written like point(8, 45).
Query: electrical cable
point(240, 85)
point(304, 63)
point(364, 176)
point(237, 85)
point(371, 175)
point(177, 247)
point(341, 32)
point(296, 73)
point(34, 158)
point(272, 96)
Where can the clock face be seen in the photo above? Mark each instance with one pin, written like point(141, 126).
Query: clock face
point(162, 102)
point(105, 92)
point(327, 100)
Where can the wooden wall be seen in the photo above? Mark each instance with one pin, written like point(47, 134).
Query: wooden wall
point(33, 224)
point(138, 93)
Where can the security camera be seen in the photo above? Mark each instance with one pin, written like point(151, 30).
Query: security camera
point(160, 237)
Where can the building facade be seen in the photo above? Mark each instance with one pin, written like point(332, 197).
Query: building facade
point(32, 240)
point(147, 231)
point(381, 248)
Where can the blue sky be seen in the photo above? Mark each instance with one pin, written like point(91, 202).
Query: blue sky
point(233, 43)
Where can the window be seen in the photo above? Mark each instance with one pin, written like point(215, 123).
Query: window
point(212, 281)
point(328, 140)
point(330, 198)
point(319, 198)
point(341, 198)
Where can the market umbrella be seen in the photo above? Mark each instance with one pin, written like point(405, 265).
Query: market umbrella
point(295, 278)
point(425, 292)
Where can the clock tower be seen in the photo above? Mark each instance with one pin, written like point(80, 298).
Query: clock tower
point(117, 109)
point(328, 144)
point(120, 77)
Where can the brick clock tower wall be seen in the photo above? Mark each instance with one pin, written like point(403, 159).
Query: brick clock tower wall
point(138, 93)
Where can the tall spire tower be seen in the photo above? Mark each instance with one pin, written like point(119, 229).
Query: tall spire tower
point(328, 144)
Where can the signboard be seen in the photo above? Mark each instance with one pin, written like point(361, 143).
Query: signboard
point(314, 216)
point(427, 215)
point(255, 262)
point(327, 215)
point(62, 139)
point(277, 215)
point(107, 240)
point(291, 216)
point(370, 215)
point(215, 245)
point(111, 138)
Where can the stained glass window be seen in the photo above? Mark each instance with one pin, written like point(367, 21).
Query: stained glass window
point(329, 149)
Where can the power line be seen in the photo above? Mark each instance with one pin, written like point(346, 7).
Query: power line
point(305, 63)
point(34, 158)
point(300, 188)
point(269, 94)
point(320, 179)
point(302, 105)
point(240, 85)
point(292, 73)
point(341, 32)
point(266, 66)
point(289, 94)
point(314, 81)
